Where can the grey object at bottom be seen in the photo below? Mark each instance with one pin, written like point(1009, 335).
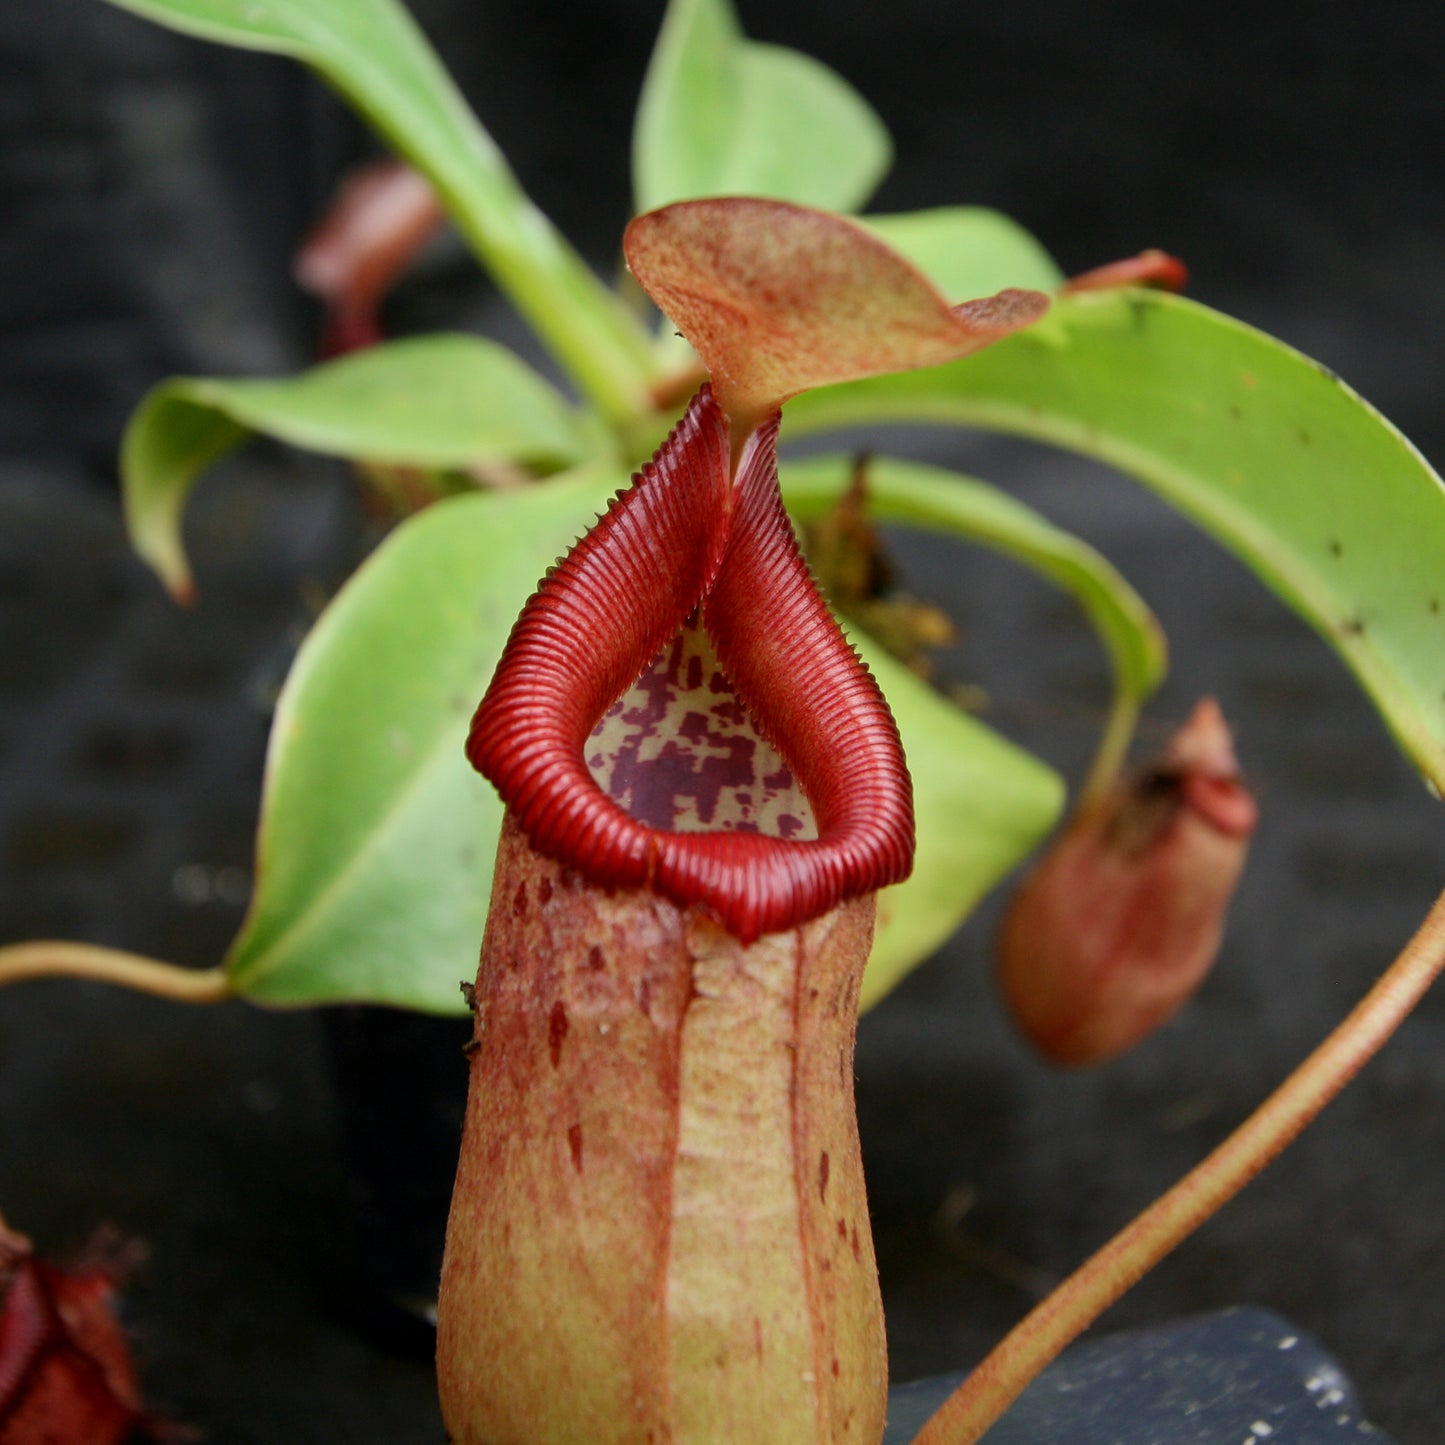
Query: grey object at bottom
point(1239, 1377)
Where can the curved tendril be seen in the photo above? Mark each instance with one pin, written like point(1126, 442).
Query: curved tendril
point(683, 537)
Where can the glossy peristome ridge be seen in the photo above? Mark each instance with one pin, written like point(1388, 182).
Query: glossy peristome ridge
point(687, 538)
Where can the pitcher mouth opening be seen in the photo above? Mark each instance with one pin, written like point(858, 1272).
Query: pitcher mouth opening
point(680, 753)
point(685, 631)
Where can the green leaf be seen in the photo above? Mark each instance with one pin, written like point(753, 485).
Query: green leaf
point(943, 501)
point(435, 401)
point(981, 805)
point(723, 115)
point(968, 251)
point(1266, 450)
point(377, 838)
point(374, 54)
point(168, 443)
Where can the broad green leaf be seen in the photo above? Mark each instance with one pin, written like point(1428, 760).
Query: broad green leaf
point(434, 401)
point(981, 805)
point(1266, 450)
point(722, 115)
point(968, 251)
point(943, 501)
point(377, 838)
point(375, 55)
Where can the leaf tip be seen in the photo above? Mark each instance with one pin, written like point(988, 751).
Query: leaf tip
point(182, 590)
point(1153, 268)
point(1004, 312)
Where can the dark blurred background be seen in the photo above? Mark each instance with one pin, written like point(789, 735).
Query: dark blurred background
point(152, 190)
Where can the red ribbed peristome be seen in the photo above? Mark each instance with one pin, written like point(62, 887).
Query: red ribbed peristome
point(684, 537)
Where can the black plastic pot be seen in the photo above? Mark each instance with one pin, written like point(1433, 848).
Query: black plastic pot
point(401, 1090)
